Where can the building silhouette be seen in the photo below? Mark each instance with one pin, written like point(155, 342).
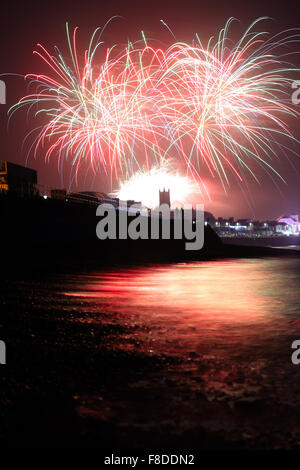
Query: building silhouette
point(164, 197)
point(17, 179)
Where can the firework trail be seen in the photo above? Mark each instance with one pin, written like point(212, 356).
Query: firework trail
point(230, 105)
point(100, 116)
point(224, 106)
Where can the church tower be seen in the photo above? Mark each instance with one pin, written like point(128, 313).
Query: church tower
point(164, 197)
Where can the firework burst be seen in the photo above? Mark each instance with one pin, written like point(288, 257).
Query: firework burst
point(222, 106)
point(144, 186)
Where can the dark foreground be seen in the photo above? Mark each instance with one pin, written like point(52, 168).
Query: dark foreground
point(136, 358)
point(112, 360)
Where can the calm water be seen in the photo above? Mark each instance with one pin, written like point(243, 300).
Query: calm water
point(230, 323)
point(227, 328)
point(233, 308)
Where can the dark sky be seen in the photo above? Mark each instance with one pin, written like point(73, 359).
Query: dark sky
point(25, 24)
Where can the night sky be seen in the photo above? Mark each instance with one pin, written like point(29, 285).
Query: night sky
point(24, 25)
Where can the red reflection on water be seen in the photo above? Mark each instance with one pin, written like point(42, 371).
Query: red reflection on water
point(228, 299)
point(226, 324)
point(230, 292)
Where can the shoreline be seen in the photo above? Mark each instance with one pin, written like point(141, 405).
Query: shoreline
point(40, 237)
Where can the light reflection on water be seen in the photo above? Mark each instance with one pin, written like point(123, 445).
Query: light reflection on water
point(229, 326)
point(189, 305)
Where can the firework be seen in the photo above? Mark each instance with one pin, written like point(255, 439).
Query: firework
point(223, 106)
point(227, 107)
point(98, 114)
point(144, 186)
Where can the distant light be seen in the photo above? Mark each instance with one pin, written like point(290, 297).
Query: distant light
point(45, 197)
